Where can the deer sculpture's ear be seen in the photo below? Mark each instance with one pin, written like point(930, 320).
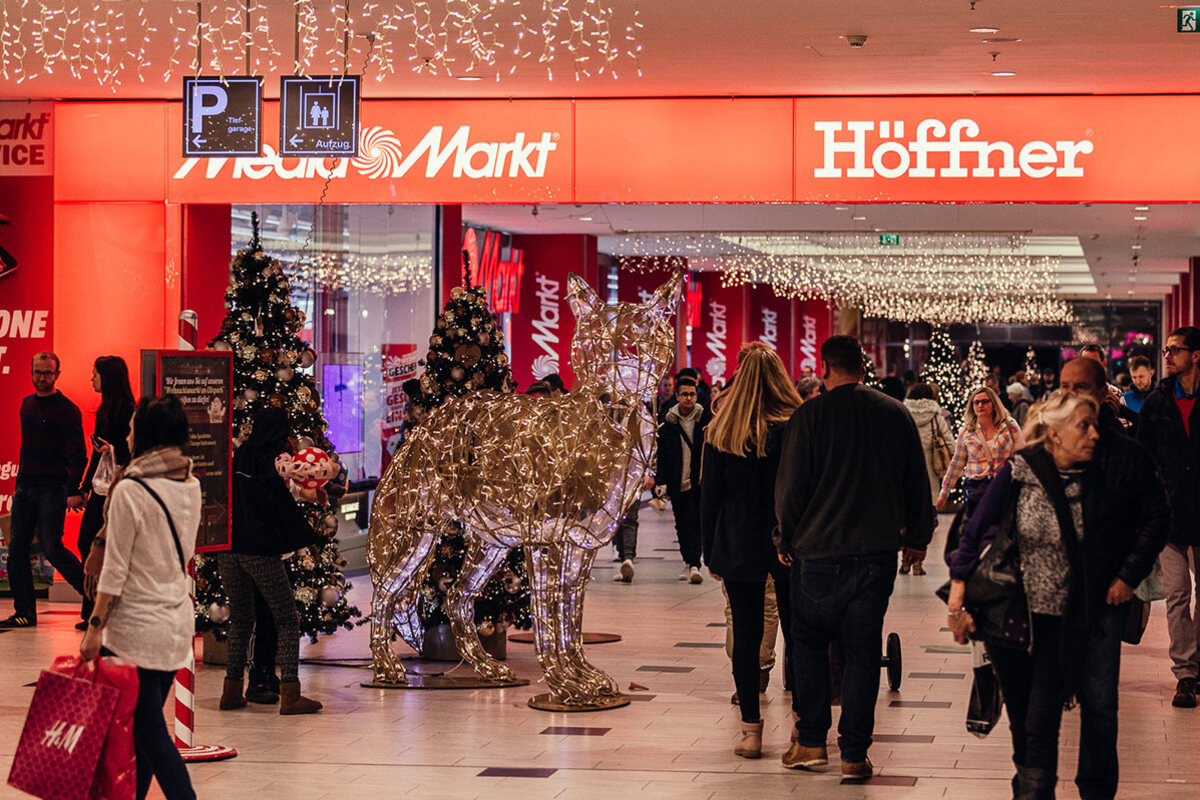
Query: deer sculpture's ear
point(583, 298)
point(666, 297)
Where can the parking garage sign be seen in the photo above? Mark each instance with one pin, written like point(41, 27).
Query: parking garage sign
point(318, 116)
point(222, 116)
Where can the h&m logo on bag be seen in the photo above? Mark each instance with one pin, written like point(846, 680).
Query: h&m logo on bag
point(63, 736)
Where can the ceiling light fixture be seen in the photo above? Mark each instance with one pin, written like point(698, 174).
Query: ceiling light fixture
point(1135, 247)
point(1003, 74)
point(1141, 208)
point(857, 218)
point(985, 30)
point(585, 219)
point(470, 78)
point(1140, 218)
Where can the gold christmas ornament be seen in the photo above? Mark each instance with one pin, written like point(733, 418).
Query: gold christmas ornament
point(554, 476)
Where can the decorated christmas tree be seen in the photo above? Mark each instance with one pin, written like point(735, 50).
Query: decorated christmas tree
point(942, 368)
point(869, 376)
point(261, 328)
point(466, 353)
point(977, 370)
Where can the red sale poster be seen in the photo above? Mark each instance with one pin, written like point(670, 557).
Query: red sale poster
point(399, 365)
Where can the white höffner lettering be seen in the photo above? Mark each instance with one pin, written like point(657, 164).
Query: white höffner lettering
point(546, 325)
point(62, 736)
point(770, 321)
point(955, 147)
point(808, 342)
point(381, 156)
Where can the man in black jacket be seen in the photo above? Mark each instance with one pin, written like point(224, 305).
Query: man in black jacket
point(1126, 520)
point(53, 458)
point(852, 490)
point(1170, 429)
point(680, 448)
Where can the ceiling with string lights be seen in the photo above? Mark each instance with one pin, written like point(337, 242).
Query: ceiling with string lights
point(647, 48)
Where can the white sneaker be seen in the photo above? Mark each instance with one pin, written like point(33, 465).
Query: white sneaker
point(686, 574)
point(626, 570)
point(694, 575)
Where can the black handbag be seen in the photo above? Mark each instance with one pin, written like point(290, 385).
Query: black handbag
point(995, 592)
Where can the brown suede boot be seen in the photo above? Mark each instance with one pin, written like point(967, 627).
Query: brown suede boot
point(750, 742)
point(292, 702)
point(231, 695)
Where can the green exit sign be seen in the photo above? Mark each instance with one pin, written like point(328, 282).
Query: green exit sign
point(889, 238)
point(1188, 20)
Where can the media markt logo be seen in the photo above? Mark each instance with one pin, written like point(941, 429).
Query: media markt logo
point(382, 156)
point(8, 262)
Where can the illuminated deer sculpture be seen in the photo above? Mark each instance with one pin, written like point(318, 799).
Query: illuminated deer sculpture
point(554, 476)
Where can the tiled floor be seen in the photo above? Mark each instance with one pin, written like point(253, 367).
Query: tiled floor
point(676, 741)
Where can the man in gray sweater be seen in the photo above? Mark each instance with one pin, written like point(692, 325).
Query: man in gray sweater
point(852, 490)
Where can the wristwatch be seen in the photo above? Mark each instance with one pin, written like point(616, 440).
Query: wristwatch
point(95, 622)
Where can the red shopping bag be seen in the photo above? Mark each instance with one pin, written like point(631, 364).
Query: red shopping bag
point(64, 733)
point(116, 773)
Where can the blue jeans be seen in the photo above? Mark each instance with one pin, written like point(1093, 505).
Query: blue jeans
point(1035, 685)
point(839, 599)
point(157, 756)
point(40, 508)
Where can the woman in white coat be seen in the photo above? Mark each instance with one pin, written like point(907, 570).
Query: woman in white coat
point(932, 425)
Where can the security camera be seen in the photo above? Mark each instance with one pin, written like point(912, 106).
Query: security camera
point(856, 39)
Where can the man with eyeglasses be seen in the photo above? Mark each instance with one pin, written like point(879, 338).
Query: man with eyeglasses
point(1170, 428)
point(53, 458)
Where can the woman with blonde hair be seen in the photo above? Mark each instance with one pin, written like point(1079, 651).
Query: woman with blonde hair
point(1065, 637)
point(737, 516)
point(988, 439)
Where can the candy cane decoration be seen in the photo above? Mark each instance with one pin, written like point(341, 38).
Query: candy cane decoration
point(185, 685)
point(188, 323)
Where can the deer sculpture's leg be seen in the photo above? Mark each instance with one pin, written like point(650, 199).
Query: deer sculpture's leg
point(577, 568)
point(479, 564)
point(384, 661)
point(399, 558)
point(544, 565)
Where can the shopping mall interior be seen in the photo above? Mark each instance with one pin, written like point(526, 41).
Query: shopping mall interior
point(973, 189)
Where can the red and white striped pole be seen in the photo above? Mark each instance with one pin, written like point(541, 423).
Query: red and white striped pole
point(185, 703)
point(185, 679)
point(188, 323)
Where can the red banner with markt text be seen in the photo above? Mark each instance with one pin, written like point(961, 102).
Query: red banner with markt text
point(26, 268)
point(399, 365)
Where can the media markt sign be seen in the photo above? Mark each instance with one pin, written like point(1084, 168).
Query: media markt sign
point(1187, 20)
point(318, 116)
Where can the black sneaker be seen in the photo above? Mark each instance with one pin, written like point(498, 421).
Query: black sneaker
point(1185, 693)
point(81, 625)
point(21, 621)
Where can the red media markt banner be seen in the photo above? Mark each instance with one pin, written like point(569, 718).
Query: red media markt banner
point(722, 329)
point(26, 275)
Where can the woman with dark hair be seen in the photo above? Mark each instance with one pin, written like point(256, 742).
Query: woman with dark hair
point(110, 379)
point(266, 524)
point(153, 514)
point(737, 516)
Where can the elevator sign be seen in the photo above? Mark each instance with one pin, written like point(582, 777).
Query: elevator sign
point(318, 116)
point(222, 116)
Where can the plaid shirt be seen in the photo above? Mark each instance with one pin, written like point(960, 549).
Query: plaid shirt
point(970, 459)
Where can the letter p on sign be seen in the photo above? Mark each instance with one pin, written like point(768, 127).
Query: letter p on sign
point(202, 107)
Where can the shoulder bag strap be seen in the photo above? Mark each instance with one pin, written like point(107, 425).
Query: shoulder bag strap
point(170, 522)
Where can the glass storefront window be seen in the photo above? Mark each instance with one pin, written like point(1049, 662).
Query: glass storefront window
point(364, 277)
